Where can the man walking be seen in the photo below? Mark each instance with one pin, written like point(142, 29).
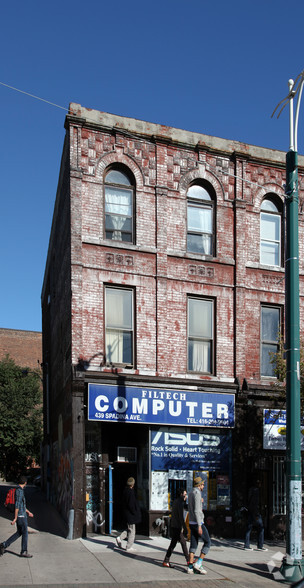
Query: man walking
point(197, 528)
point(132, 515)
point(178, 527)
point(255, 518)
point(20, 518)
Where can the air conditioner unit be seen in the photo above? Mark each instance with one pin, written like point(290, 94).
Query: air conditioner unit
point(127, 454)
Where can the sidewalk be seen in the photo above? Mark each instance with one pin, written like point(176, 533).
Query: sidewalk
point(97, 561)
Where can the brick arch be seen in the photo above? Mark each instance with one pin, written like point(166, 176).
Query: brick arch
point(270, 188)
point(200, 173)
point(119, 157)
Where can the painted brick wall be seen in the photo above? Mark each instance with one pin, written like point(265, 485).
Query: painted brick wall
point(158, 267)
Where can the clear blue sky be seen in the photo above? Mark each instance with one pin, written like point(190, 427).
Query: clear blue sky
point(218, 68)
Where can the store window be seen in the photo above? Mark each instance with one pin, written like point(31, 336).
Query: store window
point(186, 454)
point(119, 199)
point(200, 335)
point(200, 210)
point(270, 227)
point(270, 333)
point(119, 338)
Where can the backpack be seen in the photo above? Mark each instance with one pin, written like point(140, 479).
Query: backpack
point(10, 500)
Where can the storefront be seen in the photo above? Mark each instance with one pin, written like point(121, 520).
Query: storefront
point(274, 440)
point(163, 437)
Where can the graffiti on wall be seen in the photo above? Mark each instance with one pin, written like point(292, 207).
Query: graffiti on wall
point(63, 472)
point(93, 456)
point(94, 514)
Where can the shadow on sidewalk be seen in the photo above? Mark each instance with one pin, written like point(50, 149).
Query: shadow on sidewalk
point(46, 517)
point(259, 569)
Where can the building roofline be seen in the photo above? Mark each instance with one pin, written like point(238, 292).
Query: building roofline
point(162, 133)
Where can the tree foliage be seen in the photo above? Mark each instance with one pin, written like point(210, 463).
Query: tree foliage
point(20, 417)
point(279, 361)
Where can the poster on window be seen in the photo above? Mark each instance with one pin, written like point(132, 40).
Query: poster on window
point(184, 450)
point(274, 430)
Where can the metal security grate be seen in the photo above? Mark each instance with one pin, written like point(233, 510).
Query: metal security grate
point(279, 485)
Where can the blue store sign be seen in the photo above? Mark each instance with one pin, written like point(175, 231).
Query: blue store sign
point(160, 407)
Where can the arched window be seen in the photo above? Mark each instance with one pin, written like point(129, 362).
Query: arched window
point(271, 221)
point(200, 229)
point(119, 201)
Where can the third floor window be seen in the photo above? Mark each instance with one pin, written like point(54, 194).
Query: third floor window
point(119, 197)
point(270, 227)
point(200, 211)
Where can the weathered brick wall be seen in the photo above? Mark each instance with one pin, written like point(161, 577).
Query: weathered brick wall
point(158, 266)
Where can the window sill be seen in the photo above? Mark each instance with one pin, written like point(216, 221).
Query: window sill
point(261, 266)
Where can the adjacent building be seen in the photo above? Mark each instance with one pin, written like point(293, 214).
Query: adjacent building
point(24, 347)
point(163, 302)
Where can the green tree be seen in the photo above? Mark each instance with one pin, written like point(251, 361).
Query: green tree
point(20, 417)
point(279, 361)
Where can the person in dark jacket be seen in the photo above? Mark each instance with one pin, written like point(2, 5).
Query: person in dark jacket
point(132, 515)
point(255, 518)
point(178, 527)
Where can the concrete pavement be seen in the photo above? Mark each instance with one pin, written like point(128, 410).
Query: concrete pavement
point(97, 561)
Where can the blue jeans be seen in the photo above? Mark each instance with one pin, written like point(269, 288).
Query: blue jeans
point(258, 523)
point(21, 532)
point(195, 538)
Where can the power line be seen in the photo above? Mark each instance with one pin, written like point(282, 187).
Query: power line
point(130, 134)
point(33, 96)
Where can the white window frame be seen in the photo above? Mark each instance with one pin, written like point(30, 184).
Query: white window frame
point(205, 342)
point(269, 342)
point(126, 190)
point(270, 214)
point(195, 201)
point(117, 332)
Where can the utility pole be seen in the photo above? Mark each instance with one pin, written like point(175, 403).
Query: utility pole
point(291, 567)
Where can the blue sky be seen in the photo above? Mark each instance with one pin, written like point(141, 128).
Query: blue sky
point(218, 68)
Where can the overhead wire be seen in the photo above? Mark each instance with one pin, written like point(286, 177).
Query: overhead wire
point(135, 137)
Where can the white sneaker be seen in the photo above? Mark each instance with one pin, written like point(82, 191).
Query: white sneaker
point(190, 570)
point(262, 549)
point(199, 568)
point(132, 549)
point(248, 548)
point(118, 541)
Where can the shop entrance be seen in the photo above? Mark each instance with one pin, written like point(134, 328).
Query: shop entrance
point(128, 454)
point(121, 472)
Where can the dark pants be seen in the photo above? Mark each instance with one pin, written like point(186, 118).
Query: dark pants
point(258, 523)
point(195, 538)
point(21, 532)
point(177, 536)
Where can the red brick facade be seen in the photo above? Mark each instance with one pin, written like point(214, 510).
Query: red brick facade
point(164, 162)
point(24, 347)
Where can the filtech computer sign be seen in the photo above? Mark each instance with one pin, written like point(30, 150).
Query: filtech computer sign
point(158, 406)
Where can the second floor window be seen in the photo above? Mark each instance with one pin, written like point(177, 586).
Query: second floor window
point(270, 332)
point(200, 335)
point(119, 195)
point(200, 221)
point(119, 326)
point(270, 233)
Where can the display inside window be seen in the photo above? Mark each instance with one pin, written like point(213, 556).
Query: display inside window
point(179, 455)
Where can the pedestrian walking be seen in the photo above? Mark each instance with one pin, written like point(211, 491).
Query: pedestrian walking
point(132, 515)
point(178, 527)
point(20, 519)
point(255, 518)
point(197, 528)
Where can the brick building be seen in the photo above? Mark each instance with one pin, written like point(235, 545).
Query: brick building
point(162, 298)
point(24, 347)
